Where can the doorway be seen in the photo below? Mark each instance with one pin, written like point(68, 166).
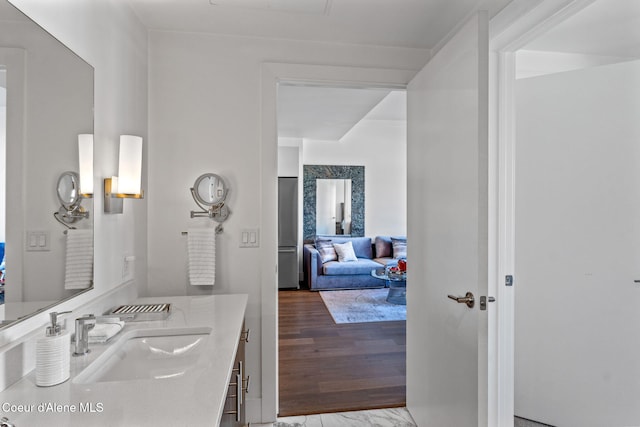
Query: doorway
point(575, 219)
point(342, 125)
point(271, 73)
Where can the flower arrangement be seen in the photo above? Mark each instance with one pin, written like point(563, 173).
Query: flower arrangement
point(399, 271)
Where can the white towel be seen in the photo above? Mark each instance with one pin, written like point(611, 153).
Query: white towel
point(102, 332)
point(201, 243)
point(79, 259)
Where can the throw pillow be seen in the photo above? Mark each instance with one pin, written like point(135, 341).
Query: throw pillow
point(383, 247)
point(399, 248)
point(345, 252)
point(326, 250)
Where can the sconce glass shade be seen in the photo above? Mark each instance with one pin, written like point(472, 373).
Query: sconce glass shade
point(130, 165)
point(85, 157)
point(128, 183)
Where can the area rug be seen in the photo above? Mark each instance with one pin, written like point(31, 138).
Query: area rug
point(362, 305)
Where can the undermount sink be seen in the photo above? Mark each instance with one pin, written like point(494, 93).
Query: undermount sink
point(152, 354)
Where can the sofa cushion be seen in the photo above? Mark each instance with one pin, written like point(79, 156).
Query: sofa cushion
point(399, 247)
point(384, 248)
point(345, 252)
point(361, 266)
point(387, 261)
point(326, 250)
point(361, 245)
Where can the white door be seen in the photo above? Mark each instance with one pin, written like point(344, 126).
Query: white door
point(447, 230)
point(577, 247)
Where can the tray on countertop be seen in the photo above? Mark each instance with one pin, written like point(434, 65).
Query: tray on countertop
point(143, 312)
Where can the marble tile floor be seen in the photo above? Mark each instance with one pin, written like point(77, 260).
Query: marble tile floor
point(392, 417)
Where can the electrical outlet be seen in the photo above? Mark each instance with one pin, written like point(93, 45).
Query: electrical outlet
point(128, 268)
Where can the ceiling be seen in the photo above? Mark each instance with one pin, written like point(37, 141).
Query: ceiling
point(321, 113)
point(604, 28)
point(399, 23)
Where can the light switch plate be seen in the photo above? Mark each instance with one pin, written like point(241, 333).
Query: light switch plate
point(250, 238)
point(38, 241)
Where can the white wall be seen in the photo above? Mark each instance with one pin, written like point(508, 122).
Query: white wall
point(108, 36)
point(288, 161)
point(578, 246)
point(205, 112)
point(381, 147)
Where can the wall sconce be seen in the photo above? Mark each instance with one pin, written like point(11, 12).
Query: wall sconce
point(128, 183)
point(85, 157)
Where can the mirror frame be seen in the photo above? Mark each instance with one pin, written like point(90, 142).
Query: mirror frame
point(313, 172)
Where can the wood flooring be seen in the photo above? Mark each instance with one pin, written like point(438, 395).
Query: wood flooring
point(325, 367)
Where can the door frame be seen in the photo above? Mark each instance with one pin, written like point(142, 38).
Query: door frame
point(520, 23)
point(271, 74)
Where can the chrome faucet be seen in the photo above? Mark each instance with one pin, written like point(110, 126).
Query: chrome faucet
point(84, 324)
point(81, 341)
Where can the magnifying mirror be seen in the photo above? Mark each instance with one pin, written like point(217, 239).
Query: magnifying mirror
point(210, 189)
point(69, 196)
point(69, 190)
point(209, 192)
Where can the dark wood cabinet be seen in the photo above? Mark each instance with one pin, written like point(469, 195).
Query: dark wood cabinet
point(234, 409)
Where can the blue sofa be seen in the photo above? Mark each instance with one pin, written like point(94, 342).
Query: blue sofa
point(348, 275)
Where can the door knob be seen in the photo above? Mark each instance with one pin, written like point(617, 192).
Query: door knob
point(467, 299)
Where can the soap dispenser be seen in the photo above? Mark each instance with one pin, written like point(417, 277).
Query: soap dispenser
point(53, 354)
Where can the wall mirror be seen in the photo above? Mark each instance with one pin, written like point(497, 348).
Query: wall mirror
point(46, 101)
point(333, 206)
point(333, 200)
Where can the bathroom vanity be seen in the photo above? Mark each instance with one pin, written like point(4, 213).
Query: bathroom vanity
point(186, 370)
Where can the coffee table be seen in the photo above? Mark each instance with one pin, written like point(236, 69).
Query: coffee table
point(397, 284)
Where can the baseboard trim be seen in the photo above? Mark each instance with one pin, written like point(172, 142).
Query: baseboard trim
point(253, 412)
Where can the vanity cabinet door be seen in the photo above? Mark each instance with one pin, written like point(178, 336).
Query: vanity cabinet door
point(234, 410)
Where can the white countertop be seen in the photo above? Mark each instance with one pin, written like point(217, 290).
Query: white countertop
point(194, 399)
